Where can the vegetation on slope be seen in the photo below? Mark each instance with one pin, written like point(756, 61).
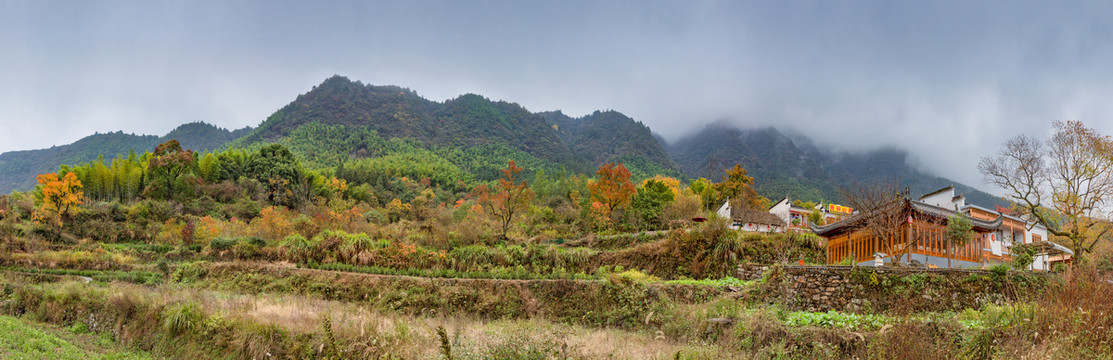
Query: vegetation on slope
point(196, 254)
point(18, 168)
point(24, 339)
point(462, 129)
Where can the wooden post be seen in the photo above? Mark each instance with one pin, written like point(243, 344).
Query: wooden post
point(908, 240)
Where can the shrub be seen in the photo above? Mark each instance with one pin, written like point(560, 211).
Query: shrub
point(375, 217)
point(1023, 256)
point(222, 244)
point(163, 266)
point(189, 271)
point(295, 247)
point(999, 270)
point(256, 241)
point(631, 276)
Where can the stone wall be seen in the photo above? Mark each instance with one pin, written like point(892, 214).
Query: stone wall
point(869, 289)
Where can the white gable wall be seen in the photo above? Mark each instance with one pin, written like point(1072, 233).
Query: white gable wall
point(781, 210)
point(945, 199)
point(941, 199)
point(724, 211)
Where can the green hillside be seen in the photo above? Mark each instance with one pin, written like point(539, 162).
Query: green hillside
point(341, 120)
point(610, 136)
point(19, 168)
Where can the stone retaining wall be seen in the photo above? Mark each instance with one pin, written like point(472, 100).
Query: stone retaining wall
point(869, 289)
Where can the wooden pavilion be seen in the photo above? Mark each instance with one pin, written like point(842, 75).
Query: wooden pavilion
point(919, 236)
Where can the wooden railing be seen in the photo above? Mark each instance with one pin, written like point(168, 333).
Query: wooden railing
point(929, 239)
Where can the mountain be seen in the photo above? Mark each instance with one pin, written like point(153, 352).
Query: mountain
point(610, 136)
point(19, 168)
point(784, 166)
point(200, 136)
point(390, 132)
point(464, 125)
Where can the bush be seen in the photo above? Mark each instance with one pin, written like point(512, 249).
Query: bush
point(163, 266)
point(222, 244)
point(375, 217)
point(999, 270)
point(1023, 256)
point(255, 241)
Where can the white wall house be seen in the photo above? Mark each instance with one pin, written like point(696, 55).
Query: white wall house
point(1013, 230)
point(751, 220)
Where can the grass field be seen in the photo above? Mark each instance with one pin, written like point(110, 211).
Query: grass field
point(22, 339)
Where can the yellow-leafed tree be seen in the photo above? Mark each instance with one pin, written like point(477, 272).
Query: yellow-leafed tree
point(737, 186)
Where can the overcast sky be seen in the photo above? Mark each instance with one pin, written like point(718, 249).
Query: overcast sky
point(947, 81)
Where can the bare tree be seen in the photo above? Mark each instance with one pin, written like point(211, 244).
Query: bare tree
point(1071, 173)
point(881, 212)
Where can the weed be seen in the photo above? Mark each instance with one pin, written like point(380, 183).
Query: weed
point(446, 347)
point(182, 318)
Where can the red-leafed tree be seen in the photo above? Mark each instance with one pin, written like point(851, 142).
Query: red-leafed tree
point(506, 199)
point(612, 188)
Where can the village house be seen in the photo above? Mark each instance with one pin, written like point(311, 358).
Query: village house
point(798, 218)
point(751, 220)
point(995, 235)
point(998, 246)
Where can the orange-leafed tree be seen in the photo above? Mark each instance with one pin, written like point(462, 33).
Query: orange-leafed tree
point(612, 188)
point(59, 197)
point(506, 199)
point(274, 223)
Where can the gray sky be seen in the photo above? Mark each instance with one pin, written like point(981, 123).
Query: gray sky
point(948, 81)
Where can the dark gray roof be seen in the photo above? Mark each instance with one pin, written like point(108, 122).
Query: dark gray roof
point(744, 216)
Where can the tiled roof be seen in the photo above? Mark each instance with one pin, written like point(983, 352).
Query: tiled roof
point(746, 216)
point(1051, 248)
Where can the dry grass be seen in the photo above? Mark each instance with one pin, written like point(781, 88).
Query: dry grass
point(470, 336)
point(1072, 322)
point(414, 336)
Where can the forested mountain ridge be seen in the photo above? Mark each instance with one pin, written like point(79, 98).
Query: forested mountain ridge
point(470, 137)
point(19, 168)
point(782, 166)
point(610, 136)
point(459, 126)
point(340, 120)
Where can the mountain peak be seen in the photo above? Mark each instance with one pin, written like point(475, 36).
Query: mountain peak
point(471, 120)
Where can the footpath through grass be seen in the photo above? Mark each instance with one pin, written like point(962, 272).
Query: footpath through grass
point(21, 339)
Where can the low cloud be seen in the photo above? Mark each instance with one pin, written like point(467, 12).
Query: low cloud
point(947, 81)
